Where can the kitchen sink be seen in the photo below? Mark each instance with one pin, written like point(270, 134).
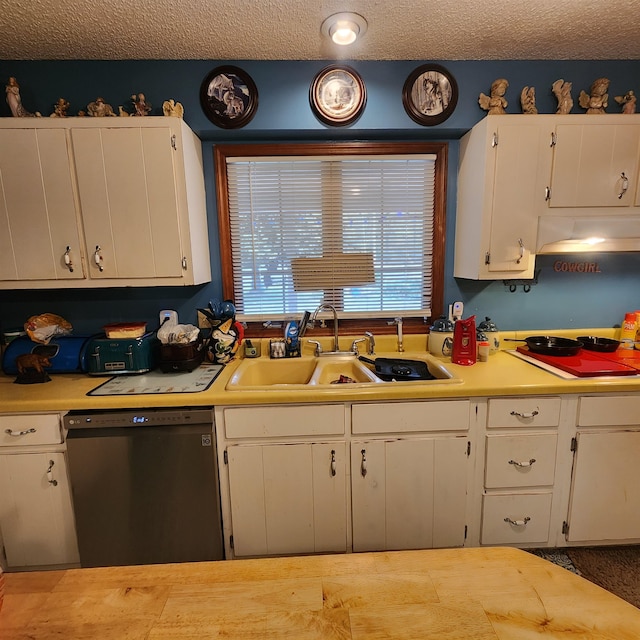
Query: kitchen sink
point(323, 371)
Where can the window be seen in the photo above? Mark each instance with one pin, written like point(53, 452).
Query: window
point(356, 225)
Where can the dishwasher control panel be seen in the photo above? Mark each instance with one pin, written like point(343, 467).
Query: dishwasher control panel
point(137, 418)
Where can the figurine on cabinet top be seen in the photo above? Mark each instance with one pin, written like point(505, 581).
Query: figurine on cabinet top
point(495, 104)
point(598, 100)
point(141, 106)
point(172, 108)
point(528, 100)
point(562, 92)
point(15, 101)
point(60, 108)
point(628, 102)
point(100, 109)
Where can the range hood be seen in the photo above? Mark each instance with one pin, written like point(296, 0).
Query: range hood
point(588, 234)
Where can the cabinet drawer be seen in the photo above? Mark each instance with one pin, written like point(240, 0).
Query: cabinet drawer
point(520, 461)
point(523, 412)
point(272, 421)
point(614, 411)
point(531, 513)
point(406, 417)
point(30, 429)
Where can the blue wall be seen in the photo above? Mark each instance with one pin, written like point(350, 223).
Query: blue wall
point(559, 300)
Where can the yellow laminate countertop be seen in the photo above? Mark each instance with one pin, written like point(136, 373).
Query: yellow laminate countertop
point(502, 375)
point(475, 593)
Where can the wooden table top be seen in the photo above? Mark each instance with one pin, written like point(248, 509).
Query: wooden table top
point(475, 593)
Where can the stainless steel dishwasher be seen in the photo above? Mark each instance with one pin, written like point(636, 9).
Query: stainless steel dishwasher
point(145, 486)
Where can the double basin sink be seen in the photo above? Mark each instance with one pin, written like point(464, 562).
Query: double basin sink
point(322, 372)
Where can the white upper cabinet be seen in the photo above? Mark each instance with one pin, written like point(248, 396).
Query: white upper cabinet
point(37, 207)
point(595, 162)
point(123, 199)
point(504, 168)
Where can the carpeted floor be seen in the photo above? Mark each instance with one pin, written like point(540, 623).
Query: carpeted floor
point(616, 569)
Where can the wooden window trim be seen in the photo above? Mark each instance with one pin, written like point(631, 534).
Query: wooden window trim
point(381, 326)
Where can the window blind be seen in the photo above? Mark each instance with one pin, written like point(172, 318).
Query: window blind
point(355, 232)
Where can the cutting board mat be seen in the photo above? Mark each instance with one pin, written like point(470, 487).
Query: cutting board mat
point(157, 382)
point(585, 364)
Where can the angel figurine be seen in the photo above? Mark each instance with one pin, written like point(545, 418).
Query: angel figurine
point(628, 102)
point(562, 92)
point(99, 108)
point(495, 104)
point(15, 101)
point(172, 108)
point(60, 108)
point(598, 100)
point(528, 100)
point(140, 104)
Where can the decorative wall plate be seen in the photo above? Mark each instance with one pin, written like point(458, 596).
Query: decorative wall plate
point(229, 97)
point(430, 94)
point(337, 95)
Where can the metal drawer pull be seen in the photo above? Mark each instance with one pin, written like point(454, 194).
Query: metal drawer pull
point(533, 414)
point(625, 185)
point(363, 464)
point(522, 464)
point(50, 479)
point(518, 523)
point(16, 434)
point(333, 462)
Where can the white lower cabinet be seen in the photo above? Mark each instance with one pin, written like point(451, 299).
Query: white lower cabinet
point(36, 514)
point(604, 502)
point(408, 494)
point(520, 455)
point(295, 479)
point(521, 518)
point(288, 498)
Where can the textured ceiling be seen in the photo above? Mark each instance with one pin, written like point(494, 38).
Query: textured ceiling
point(290, 29)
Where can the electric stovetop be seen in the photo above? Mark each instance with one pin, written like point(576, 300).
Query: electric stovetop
point(590, 364)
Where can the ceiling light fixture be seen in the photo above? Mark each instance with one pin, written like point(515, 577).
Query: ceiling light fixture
point(344, 28)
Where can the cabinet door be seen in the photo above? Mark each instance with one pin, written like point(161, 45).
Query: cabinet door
point(288, 498)
point(37, 207)
point(522, 161)
point(127, 187)
point(605, 491)
point(36, 515)
point(408, 494)
point(589, 161)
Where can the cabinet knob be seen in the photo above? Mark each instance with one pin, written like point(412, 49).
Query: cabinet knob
point(67, 259)
point(97, 258)
point(624, 186)
point(333, 462)
point(363, 463)
point(50, 478)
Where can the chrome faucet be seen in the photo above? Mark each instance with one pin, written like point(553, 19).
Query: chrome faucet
point(369, 339)
point(328, 307)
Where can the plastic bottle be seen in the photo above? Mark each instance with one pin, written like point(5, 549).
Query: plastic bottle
point(628, 331)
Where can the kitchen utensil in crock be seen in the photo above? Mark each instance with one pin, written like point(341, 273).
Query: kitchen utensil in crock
point(399, 369)
point(593, 343)
point(550, 345)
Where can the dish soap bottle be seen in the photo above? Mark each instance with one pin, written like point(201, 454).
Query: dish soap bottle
point(628, 331)
point(464, 342)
